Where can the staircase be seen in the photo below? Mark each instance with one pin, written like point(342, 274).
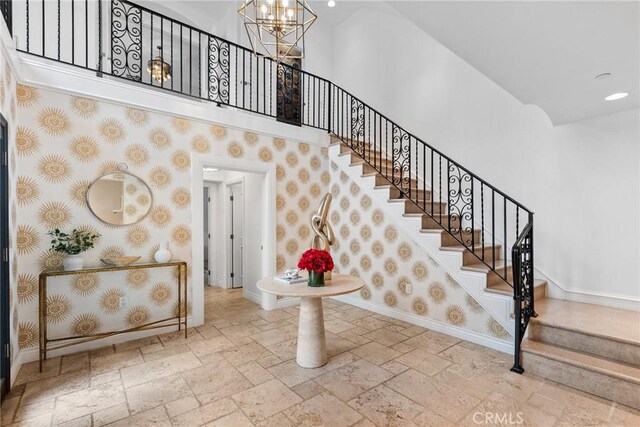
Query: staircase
point(480, 267)
point(591, 348)
point(481, 236)
point(588, 347)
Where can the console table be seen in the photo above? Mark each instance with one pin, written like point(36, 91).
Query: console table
point(312, 344)
point(178, 319)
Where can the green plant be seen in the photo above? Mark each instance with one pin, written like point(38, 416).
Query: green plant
point(72, 243)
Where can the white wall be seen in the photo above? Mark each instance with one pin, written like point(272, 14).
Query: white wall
point(254, 234)
point(580, 179)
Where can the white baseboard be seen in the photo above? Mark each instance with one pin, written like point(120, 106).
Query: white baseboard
point(252, 296)
point(555, 290)
point(463, 334)
point(31, 354)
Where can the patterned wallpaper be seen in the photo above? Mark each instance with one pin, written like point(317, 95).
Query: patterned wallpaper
point(9, 111)
point(399, 274)
point(64, 142)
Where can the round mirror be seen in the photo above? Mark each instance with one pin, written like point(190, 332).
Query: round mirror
point(119, 198)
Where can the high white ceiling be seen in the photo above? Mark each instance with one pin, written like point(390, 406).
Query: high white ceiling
point(545, 53)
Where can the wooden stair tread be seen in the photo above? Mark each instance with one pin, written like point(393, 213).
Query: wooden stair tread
point(606, 322)
point(482, 267)
point(583, 360)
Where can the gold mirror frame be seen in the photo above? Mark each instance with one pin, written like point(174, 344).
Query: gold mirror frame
point(122, 204)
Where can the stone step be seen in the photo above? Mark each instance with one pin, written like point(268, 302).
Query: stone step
point(602, 377)
point(602, 331)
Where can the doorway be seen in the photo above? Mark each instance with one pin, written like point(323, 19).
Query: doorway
point(206, 202)
point(5, 362)
point(236, 234)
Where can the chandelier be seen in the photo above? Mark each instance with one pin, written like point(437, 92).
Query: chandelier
point(276, 27)
point(159, 70)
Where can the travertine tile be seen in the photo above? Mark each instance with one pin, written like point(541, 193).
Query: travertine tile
point(244, 353)
point(41, 420)
point(182, 405)
point(265, 400)
point(88, 401)
point(277, 420)
point(158, 351)
point(385, 337)
point(110, 415)
point(352, 379)
point(370, 323)
point(437, 397)
point(291, 374)
point(33, 410)
point(213, 382)
point(394, 367)
point(9, 407)
point(243, 330)
point(235, 419)
point(115, 361)
point(30, 371)
point(337, 345)
point(386, 407)
point(375, 353)
point(139, 343)
point(322, 409)
point(156, 392)
point(159, 368)
point(78, 422)
point(74, 362)
point(156, 417)
point(177, 338)
point(55, 386)
point(432, 342)
point(337, 325)
point(275, 336)
point(354, 338)
point(205, 413)
point(285, 350)
point(424, 362)
point(351, 314)
point(466, 362)
point(255, 373)
point(203, 347)
point(308, 389)
point(107, 377)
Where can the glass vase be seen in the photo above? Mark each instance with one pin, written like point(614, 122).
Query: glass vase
point(316, 280)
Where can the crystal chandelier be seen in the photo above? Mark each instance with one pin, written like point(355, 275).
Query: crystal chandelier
point(276, 27)
point(160, 71)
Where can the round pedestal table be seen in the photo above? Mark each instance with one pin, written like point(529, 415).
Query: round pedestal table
point(312, 345)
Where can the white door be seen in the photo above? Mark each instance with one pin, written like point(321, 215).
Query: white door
point(236, 236)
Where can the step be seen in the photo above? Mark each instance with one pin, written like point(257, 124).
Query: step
point(410, 206)
point(447, 239)
point(539, 290)
point(493, 278)
point(439, 221)
point(592, 374)
point(602, 331)
point(486, 252)
point(394, 193)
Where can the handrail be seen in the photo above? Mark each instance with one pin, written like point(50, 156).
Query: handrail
point(475, 213)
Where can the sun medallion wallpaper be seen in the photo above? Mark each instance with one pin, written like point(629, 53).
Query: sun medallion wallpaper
point(63, 142)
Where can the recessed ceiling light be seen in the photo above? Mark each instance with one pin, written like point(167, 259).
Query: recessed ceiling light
point(331, 3)
point(603, 76)
point(616, 96)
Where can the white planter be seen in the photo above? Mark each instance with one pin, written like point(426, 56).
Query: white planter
point(163, 254)
point(73, 262)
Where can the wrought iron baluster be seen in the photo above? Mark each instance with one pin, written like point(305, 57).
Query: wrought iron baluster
point(506, 242)
point(482, 222)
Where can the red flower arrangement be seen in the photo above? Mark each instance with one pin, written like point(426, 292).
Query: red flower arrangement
point(316, 260)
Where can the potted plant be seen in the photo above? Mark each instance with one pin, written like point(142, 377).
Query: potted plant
point(316, 262)
point(72, 244)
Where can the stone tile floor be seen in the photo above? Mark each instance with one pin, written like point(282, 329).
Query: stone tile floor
point(239, 370)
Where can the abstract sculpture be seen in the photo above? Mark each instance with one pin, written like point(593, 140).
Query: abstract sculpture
point(323, 237)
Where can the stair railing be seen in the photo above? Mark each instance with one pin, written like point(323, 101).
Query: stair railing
point(118, 38)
